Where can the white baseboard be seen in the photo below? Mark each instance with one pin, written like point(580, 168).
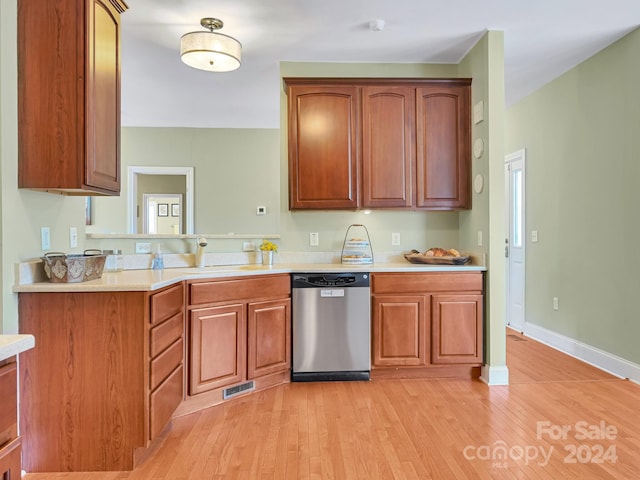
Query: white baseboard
point(494, 375)
point(594, 356)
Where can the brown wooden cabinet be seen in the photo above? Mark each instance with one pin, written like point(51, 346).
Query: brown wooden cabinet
point(10, 443)
point(218, 347)
point(443, 139)
point(323, 146)
point(456, 329)
point(388, 146)
point(240, 329)
point(399, 330)
point(379, 143)
point(427, 323)
point(69, 96)
point(107, 367)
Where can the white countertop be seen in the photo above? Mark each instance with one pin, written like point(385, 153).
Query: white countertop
point(149, 280)
point(11, 345)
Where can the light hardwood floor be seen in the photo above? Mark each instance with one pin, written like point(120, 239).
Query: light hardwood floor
point(413, 429)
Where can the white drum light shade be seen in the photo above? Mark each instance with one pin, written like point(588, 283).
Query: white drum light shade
point(210, 51)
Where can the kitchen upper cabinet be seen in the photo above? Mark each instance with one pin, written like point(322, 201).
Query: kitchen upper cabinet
point(443, 179)
point(379, 143)
point(323, 146)
point(388, 153)
point(69, 96)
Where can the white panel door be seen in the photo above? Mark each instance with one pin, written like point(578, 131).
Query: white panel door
point(516, 238)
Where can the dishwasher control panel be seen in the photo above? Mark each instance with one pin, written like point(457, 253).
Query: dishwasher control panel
point(318, 280)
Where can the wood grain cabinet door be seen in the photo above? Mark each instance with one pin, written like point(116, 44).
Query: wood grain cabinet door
point(399, 335)
point(443, 147)
point(456, 329)
point(388, 148)
point(323, 146)
point(218, 347)
point(268, 337)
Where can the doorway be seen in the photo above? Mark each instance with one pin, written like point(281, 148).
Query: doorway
point(515, 241)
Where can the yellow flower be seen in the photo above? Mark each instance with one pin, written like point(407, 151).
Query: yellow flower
point(268, 246)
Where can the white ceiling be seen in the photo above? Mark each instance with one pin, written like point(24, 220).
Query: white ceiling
point(542, 40)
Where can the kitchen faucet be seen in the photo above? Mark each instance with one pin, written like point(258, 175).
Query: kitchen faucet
point(202, 242)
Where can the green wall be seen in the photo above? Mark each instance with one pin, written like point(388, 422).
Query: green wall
point(582, 136)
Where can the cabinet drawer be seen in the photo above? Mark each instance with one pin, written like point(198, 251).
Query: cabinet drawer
point(8, 407)
point(166, 362)
point(164, 401)
point(426, 282)
point(166, 303)
point(166, 333)
point(10, 460)
point(239, 288)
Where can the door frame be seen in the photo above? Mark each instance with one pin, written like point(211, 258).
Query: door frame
point(518, 155)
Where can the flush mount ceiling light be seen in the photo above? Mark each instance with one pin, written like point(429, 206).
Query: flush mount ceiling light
point(210, 50)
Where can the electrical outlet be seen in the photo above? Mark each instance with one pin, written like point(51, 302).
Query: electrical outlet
point(479, 238)
point(248, 246)
point(45, 238)
point(556, 304)
point(143, 247)
point(73, 237)
point(260, 210)
point(395, 239)
point(534, 236)
point(314, 239)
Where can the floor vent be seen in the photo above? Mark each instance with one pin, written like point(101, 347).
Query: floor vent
point(237, 390)
point(516, 338)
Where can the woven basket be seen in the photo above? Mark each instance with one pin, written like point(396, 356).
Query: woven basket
point(73, 268)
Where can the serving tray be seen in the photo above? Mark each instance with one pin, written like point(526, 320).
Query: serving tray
point(417, 257)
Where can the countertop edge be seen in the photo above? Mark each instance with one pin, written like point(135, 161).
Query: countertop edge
point(11, 345)
point(150, 280)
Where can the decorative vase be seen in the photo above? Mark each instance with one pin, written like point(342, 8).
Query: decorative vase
point(267, 257)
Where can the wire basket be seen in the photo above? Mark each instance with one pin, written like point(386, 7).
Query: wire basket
point(356, 249)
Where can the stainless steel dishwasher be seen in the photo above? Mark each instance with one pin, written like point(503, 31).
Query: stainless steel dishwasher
point(331, 331)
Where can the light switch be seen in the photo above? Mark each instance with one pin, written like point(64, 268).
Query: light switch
point(478, 112)
point(479, 238)
point(73, 237)
point(534, 236)
point(395, 239)
point(45, 238)
point(314, 239)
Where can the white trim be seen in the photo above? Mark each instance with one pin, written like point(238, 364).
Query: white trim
point(606, 361)
point(493, 376)
point(132, 193)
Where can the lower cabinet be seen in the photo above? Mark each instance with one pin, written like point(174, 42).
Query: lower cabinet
point(104, 378)
point(239, 330)
point(10, 443)
point(427, 321)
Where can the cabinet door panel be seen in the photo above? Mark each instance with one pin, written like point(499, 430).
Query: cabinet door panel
point(103, 98)
point(387, 146)
point(269, 337)
point(323, 147)
point(456, 329)
point(443, 147)
point(218, 347)
point(399, 336)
